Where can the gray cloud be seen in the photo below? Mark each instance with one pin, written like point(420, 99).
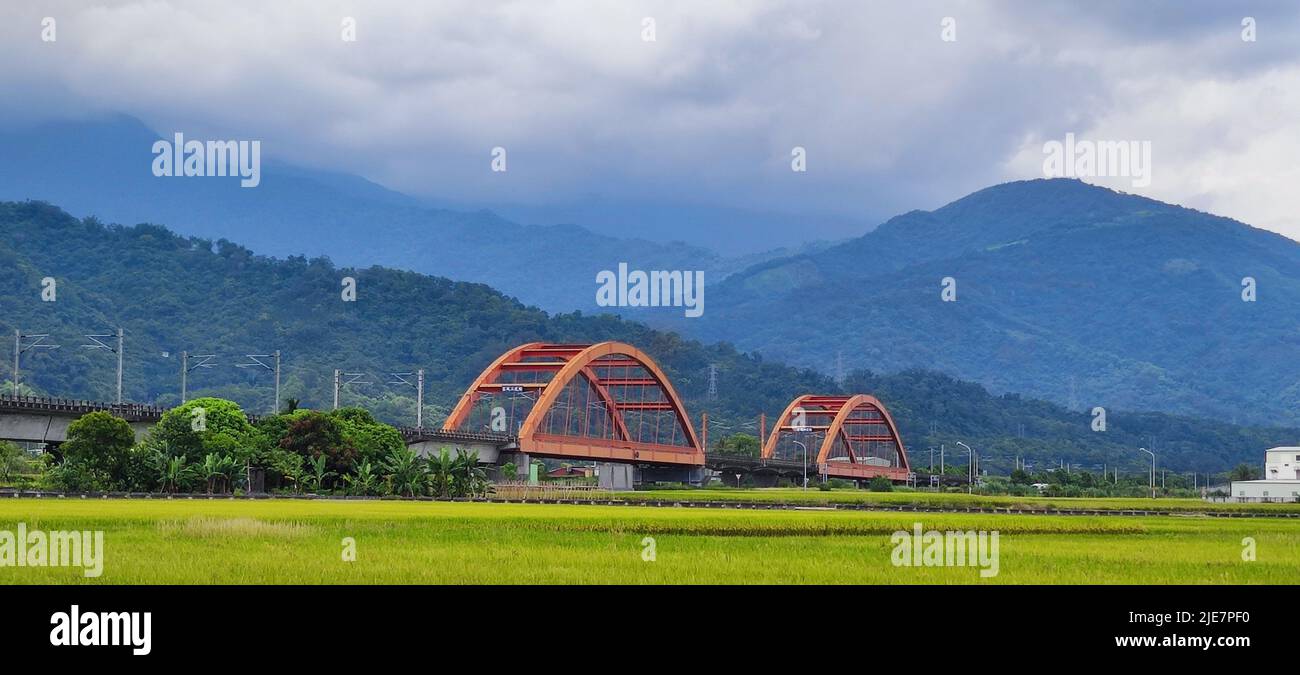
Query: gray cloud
point(893, 118)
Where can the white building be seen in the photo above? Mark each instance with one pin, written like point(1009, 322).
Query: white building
point(1282, 464)
point(1281, 479)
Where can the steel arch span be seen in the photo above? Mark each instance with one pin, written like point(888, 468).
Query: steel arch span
point(607, 401)
point(852, 437)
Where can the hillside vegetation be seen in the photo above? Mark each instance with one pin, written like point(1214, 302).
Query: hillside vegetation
point(172, 293)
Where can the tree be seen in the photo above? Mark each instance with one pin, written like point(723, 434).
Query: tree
point(372, 440)
point(218, 471)
point(364, 482)
point(173, 472)
point(470, 480)
point(741, 444)
point(10, 459)
point(316, 474)
point(205, 425)
point(442, 473)
point(287, 464)
point(1243, 471)
point(881, 484)
point(313, 434)
point(100, 443)
point(405, 472)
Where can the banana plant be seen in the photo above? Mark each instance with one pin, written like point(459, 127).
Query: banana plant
point(316, 475)
point(364, 482)
point(405, 472)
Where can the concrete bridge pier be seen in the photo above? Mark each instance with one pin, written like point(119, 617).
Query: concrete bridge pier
point(521, 459)
point(615, 476)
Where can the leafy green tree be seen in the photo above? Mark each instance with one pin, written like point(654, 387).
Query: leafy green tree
point(1243, 471)
point(10, 460)
point(205, 425)
point(288, 466)
point(139, 473)
point(100, 441)
point(313, 434)
point(741, 444)
point(373, 440)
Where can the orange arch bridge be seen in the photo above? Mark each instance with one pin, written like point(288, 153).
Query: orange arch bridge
point(607, 401)
point(842, 436)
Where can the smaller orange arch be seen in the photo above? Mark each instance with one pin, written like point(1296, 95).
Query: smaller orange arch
point(839, 409)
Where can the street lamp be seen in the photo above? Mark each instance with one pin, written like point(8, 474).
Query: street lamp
point(805, 463)
point(1153, 471)
point(970, 469)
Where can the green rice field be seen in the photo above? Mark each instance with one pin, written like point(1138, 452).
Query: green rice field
point(949, 500)
point(397, 542)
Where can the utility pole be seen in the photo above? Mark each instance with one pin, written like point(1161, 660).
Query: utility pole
point(255, 361)
point(99, 344)
point(355, 378)
point(38, 342)
point(941, 459)
point(186, 368)
point(932, 459)
point(400, 378)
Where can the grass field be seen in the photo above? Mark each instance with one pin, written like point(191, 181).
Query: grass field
point(948, 500)
point(290, 541)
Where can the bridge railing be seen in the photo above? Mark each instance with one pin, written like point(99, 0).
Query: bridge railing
point(413, 434)
point(67, 405)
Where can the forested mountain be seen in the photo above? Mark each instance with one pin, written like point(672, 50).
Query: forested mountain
point(1064, 291)
point(173, 293)
point(299, 211)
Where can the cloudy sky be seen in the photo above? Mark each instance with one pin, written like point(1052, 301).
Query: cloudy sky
point(704, 117)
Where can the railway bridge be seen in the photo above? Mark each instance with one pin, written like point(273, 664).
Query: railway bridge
point(608, 403)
